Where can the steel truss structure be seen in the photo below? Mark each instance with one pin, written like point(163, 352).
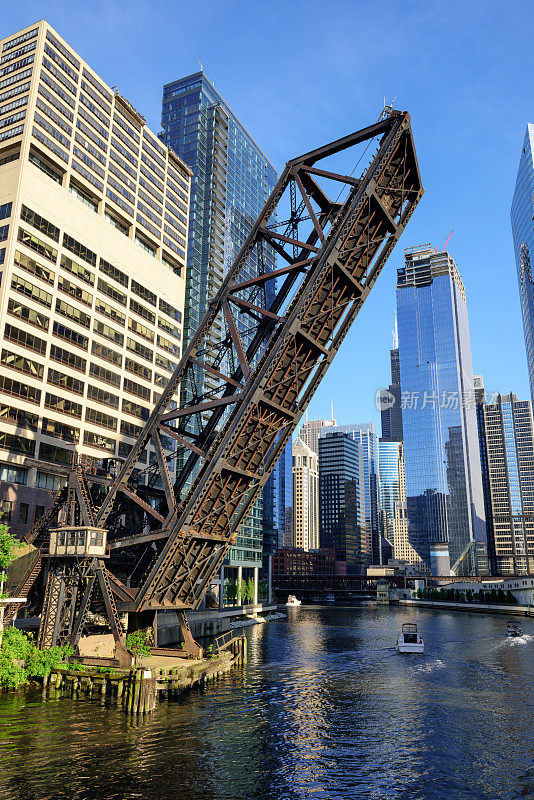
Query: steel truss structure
point(281, 331)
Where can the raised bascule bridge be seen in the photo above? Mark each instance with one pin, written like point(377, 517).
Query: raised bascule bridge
point(265, 343)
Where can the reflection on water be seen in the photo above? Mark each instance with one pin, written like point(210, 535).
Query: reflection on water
point(326, 709)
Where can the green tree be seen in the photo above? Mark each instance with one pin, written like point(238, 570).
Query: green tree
point(137, 642)
point(8, 547)
point(249, 590)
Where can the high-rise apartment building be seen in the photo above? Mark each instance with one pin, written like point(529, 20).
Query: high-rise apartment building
point(305, 497)
point(311, 430)
point(445, 506)
point(232, 179)
point(522, 214)
point(94, 215)
point(507, 441)
point(277, 505)
point(365, 434)
point(342, 500)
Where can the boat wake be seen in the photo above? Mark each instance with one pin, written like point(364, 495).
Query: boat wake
point(432, 666)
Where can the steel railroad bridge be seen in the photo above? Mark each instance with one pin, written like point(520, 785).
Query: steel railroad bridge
point(264, 369)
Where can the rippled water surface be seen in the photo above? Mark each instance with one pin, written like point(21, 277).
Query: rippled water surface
point(325, 709)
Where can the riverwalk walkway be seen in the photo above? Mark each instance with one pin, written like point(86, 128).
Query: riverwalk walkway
point(486, 608)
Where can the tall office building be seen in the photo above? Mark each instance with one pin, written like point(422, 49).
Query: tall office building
point(232, 179)
point(365, 434)
point(443, 478)
point(508, 444)
point(522, 214)
point(391, 473)
point(94, 235)
point(342, 500)
point(305, 497)
point(311, 431)
point(390, 399)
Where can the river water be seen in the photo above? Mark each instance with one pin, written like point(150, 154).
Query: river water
point(325, 709)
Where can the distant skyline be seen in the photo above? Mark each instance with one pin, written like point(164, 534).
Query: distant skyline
point(444, 63)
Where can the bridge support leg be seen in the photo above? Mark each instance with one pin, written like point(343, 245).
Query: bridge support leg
point(144, 621)
point(192, 648)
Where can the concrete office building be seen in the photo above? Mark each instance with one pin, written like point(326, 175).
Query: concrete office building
point(305, 497)
point(508, 446)
point(94, 236)
point(311, 431)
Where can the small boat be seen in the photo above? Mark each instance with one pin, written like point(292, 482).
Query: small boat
point(408, 640)
point(292, 601)
point(513, 628)
point(329, 598)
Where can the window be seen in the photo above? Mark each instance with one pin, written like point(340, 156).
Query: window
point(160, 380)
point(11, 474)
point(135, 388)
point(103, 396)
point(43, 166)
point(164, 362)
point(4, 230)
point(139, 349)
point(84, 196)
point(110, 312)
point(105, 375)
point(22, 364)
point(129, 429)
point(22, 419)
point(116, 224)
point(79, 250)
point(69, 335)
point(47, 480)
point(169, 327)
point(65, 381)
point(30, 265)
point(112, 272)
point(144, 312)
point(37, 245)
point(5, 510)
point(129, 407)
point(143, 243)
point(100, 418)
point(60, 430)
point(5, 210)
point(106, 353)
point(17, 444)
point(140, 330)
point(64, 285)
point(108, 332)
point(30, 316)
point(39, 511)
point(18, 389)
point(99, 441)
point(77, 269)
point(40, 223)
point(30, 290)
point(24, 339)
point(165, 344)
point(110, 291)
point(58, 455)
point(138, 369)
point(63, 405)
point(71, 360)
point(72, 313)
point(143, 293)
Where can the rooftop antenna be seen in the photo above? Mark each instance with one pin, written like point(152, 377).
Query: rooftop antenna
point(332, 411)
point(395, 333)
point(447, 240)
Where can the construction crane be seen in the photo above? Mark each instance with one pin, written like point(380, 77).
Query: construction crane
point(265, 343)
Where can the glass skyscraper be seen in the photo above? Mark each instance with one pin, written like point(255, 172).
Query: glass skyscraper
point(342, 524)
point(277, 497)
point(523, 234)
point(391, 474)
point(445, 505)
point(232, 179)
point(365, 434)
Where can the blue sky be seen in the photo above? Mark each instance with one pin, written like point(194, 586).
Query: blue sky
point(300, 74)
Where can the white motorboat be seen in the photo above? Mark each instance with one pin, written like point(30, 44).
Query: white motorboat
point(329, 598)
point(293, 601)
point(409, 640)
point(513, 628)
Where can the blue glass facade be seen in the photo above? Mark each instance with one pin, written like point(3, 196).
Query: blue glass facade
point(232, 179)
point(277, 498)
point(443, 478)
point(523, 234)
point(389, 455)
